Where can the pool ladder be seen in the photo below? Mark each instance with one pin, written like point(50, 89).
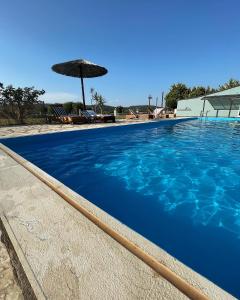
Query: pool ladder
point(202, 114)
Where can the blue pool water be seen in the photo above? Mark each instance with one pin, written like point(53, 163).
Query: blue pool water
point(176, 183)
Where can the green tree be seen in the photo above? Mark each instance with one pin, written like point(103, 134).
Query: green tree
point(230, 84)
point(99, 100)
point(119, 109)
point(42, 109)
point(76, 106)
point(210, 90)
point(49, 109)
point(180, 91)
point(68, 107)
point(177, 91)
point(92, 97)
point(16, 103)
point(198, 91)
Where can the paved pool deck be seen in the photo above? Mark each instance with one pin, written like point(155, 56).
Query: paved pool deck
point(20, 130)
point(60, 253)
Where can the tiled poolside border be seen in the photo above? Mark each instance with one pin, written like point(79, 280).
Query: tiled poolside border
point(187, 281)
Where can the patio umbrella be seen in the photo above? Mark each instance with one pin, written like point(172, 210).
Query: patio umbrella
point(80, 68)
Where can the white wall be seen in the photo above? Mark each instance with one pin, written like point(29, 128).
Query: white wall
point(193, 108)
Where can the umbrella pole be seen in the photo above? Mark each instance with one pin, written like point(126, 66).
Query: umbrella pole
point(83, 95)
point(82, 86)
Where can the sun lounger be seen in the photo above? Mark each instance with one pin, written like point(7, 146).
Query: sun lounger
point(61, 115)
point(93, 117)
point(90, 118)
point(158, 112)
point(135, 115)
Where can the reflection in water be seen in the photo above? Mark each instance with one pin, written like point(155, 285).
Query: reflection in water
point(194, 173)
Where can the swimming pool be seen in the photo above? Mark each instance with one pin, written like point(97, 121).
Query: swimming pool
point(174, 182)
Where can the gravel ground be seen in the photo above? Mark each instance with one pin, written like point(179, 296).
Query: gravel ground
point(9, 289)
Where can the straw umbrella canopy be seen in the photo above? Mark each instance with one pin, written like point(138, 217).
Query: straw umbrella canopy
point(80, 68)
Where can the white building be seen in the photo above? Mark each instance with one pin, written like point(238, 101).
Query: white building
point(220, 104)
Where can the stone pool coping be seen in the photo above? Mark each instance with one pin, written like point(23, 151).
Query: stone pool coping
point(28, 130)
point(183, 278)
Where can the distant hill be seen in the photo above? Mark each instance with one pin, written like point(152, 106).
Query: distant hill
point(140, 108)
point(108, 109)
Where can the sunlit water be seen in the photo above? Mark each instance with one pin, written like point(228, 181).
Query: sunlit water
point(177, 184)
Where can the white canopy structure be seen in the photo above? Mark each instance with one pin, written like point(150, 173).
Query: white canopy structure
point(224, 100)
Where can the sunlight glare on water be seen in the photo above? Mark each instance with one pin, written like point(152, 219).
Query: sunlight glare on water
point(194, 173)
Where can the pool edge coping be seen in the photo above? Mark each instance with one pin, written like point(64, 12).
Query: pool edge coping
point(69, 196)
point(113, 125)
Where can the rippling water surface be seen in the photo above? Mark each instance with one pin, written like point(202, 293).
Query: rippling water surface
point(177, 184)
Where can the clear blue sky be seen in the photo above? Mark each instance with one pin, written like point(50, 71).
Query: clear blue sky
point(146, 45)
